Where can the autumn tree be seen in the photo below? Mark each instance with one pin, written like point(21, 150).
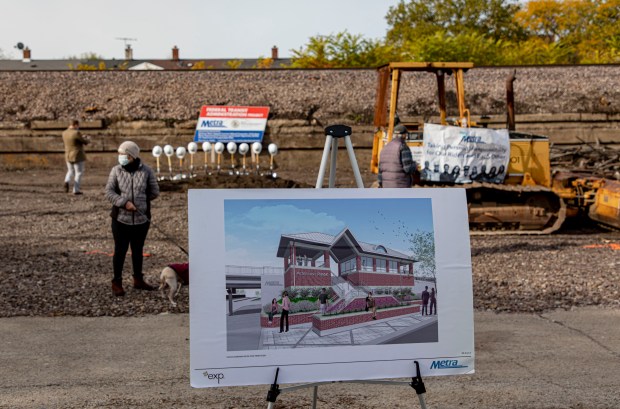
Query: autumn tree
point(263, 63)
point(234, 64)
point(199, 65)
point(409, 22)
point(493, 32)
point(588, 31)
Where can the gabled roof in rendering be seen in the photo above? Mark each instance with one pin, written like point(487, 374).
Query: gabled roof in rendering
point(339, 245)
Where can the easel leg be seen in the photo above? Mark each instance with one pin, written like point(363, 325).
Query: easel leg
point(328, 144)
point(274, 391)
point(356, 169)
point(418, 385)
point(315, 395)
point(333, 164)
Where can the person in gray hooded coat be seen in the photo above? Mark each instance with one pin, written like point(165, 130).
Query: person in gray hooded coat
point(131, 187)
point(395, 161)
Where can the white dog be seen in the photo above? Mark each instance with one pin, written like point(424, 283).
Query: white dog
point(173, 276)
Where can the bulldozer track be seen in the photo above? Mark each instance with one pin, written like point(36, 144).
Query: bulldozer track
point(500, 227)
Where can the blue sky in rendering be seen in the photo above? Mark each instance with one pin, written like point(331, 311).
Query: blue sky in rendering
point(253, 227)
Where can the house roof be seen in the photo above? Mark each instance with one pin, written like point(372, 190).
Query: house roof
point(174, 65)
point(146, 66)
point(337, 243)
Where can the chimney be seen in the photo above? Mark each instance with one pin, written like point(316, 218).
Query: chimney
point(26, 55)
point(274, 53)
point(175, 53)
point(128, 52)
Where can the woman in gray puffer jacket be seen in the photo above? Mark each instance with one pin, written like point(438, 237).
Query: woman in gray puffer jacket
point(131, 187)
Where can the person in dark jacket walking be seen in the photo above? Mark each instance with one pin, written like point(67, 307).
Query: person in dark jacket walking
point(131, 187)
point(396, 164)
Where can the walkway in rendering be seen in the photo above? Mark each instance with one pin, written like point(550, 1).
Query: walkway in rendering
point(405, 329)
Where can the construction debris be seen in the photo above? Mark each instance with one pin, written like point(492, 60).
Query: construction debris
point(595, 159)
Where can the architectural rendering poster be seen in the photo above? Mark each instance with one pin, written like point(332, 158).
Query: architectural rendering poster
point(358, 284)
point(463, 155)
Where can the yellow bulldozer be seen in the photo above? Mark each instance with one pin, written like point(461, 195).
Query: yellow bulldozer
point(530, 200)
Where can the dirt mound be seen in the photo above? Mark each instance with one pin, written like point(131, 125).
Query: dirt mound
point(225, 181)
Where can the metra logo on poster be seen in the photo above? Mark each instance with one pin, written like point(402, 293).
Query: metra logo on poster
point(447, 364)
point(470, 138)
point(212, 124)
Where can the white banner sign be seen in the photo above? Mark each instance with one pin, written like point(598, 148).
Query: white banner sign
point(464, 155)
point(333, 245)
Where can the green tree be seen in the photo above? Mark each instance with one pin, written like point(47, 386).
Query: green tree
point(472, 46)
point(536, 51)
point(423, 248)
point(342, 50)
point(417, 19)
point(312, 55)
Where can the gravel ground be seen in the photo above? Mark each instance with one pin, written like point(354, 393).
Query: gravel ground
point(56, 251)
point(295, 94)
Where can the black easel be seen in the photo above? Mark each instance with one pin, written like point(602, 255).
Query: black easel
point(416, 383)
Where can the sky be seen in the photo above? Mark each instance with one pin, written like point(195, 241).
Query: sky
point(253, 227)
point(228, 29)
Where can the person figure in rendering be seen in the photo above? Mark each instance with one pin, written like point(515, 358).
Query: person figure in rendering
point(323, 301)
point(286, 307)
point(396, 164)
point(130, 188)
point(433, 299)
point(371, 305)
point(74, 155)
point(274, 310)
point(425, 297)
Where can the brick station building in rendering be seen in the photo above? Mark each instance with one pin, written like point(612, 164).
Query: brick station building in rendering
point(307, 261)
point(361, 267)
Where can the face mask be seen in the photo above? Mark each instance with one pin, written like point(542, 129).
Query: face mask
point(123, 160)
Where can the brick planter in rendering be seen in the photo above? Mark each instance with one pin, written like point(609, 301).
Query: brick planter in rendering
point(379, 279)
point(293, 319)
point(331, 324)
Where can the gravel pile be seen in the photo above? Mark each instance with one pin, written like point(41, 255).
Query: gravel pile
point(56, 255)
point(294, 94)
point(539, 273)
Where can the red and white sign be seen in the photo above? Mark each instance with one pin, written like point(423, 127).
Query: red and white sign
point(219, 123)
